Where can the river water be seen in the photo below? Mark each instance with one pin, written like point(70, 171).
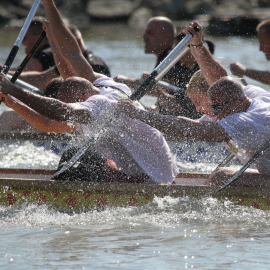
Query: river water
point(167, 233)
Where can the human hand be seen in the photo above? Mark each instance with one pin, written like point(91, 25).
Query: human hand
point(5, 84)
point(145, 75)
point(124, 79)
point(197, 36)
point(238, 69)
point(7, 99)
point(127, 106)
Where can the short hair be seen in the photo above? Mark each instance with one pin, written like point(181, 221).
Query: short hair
point(52, 87)
point(197, 84)
point(227, 86)
point(36, 25)
point(264, 26)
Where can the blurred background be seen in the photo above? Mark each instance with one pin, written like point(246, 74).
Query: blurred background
point(220, 17)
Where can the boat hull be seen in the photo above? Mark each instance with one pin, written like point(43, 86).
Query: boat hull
point(17, 190)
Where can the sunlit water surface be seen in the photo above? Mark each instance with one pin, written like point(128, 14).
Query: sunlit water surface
point(165, 234)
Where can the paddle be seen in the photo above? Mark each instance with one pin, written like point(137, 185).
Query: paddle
point(20, 38)
point(170, 86)
point(24, 63)
point(172, 58)
point(27, 86)
point(28, 57)
point(251, 160)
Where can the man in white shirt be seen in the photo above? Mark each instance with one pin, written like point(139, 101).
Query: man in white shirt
point(135, 147)
point(240, 118)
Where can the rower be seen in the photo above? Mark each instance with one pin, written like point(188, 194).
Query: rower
point(241, 120)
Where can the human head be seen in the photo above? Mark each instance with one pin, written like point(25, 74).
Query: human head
point(33, 32)
point(263, 31)
point(76, 89)
point(159, 35)
point(52, 87)
point(197, 93)
point(226, 97)
point(78, 35)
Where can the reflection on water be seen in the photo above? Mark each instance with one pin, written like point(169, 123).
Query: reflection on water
point(165, 234)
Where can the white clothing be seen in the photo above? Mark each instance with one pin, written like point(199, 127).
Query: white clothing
point(134, 146)
point(251, 129)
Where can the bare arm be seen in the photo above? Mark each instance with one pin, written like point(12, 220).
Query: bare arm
point(239, 70)
point(67, 44)
point(36, 119)
point(179, 128)
point(38, 79)
point(48, 107)
point(211, 69)
point(34, 65)
point(60, 61)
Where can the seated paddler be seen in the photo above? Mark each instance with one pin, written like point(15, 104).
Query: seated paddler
point(125, 149)
point(239, 116)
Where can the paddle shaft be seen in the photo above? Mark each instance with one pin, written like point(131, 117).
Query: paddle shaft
point(28, 57)
point(27, 86)
point(173, 57)
point(250, 161)
point(20, 38)
point(226, 160)
point(170, 86)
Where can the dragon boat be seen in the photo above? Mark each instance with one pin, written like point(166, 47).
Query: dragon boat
point(24, 187)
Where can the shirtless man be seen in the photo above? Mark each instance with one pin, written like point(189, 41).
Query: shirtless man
point(136, 148)
point(159, 39)
point(237, 69)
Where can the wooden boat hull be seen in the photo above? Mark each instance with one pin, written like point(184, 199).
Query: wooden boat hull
point(25, 187)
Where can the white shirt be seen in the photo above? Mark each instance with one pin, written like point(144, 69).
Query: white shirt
point(134, 146)
point(251, 129)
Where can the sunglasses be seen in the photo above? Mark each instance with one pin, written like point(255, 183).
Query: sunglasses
point(215, 108)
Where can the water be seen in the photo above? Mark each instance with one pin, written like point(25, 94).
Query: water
point(167, 233)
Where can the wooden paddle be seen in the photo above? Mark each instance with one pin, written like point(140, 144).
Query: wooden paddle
point(172, 58)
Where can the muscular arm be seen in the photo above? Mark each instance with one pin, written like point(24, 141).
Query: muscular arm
point(38, 79)
point(34, 65)
point(48, 107)
point(211, 69)
point(179, 128)
point(239, 70)
point(67, 44)
point(60, 61)
point(36, 119)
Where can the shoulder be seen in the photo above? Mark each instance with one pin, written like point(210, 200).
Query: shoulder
point(253, 91)
point(97, 63)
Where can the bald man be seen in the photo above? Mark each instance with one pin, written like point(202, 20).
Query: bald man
point(237, 69)
point(159, 39)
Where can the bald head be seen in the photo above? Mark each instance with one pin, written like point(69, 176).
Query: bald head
point(76, 89)
point(159, 35)
point(164, 25)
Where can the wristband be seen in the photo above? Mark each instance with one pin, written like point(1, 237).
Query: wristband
point(197, 46)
